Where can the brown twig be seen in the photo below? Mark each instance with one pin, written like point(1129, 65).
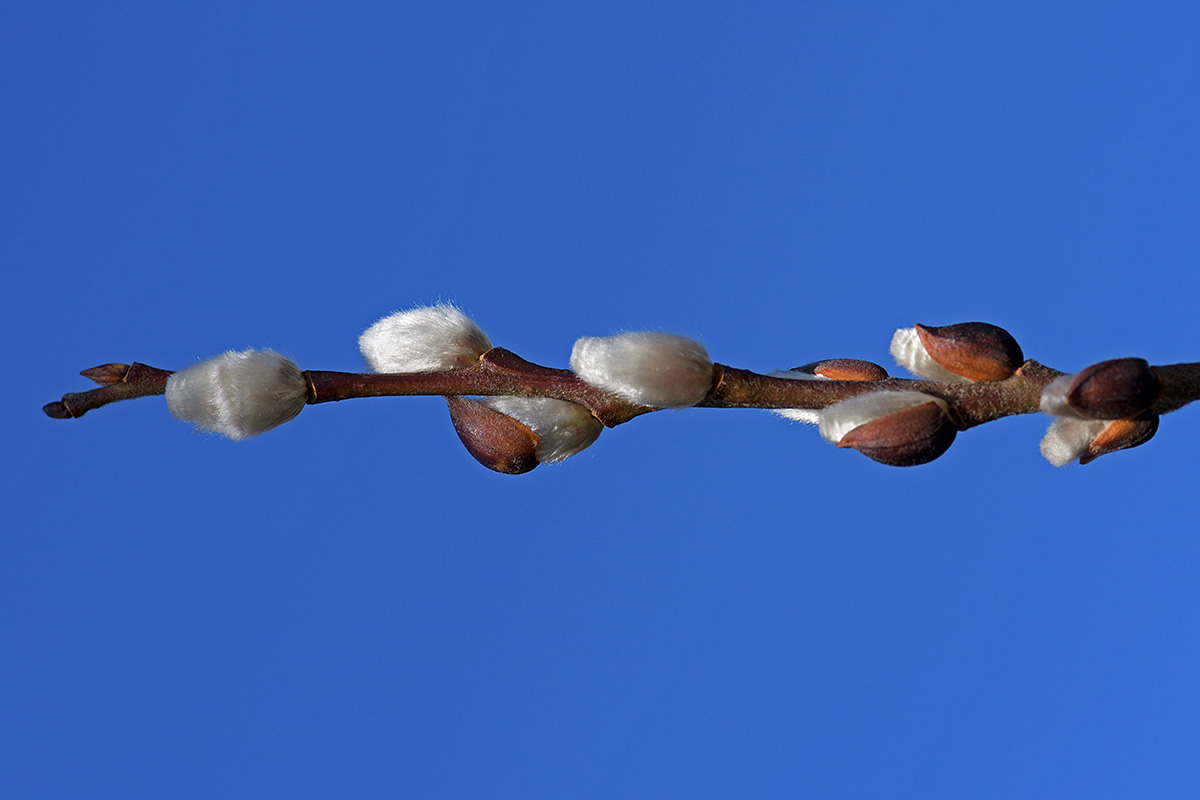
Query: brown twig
point(117, 382)
point(501, 372)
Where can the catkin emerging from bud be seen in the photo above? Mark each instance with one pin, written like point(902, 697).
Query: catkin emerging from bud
point(901, 429)
point(238, 394)
point(910, 353)
point(496, 440)
point(429, 339)
point(1116, 389)
point(647, 368)
point(563, 428)
point(962, 352)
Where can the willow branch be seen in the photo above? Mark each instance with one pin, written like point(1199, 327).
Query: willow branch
point(501, 372)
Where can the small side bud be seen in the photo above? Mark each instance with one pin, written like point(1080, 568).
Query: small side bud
point(238, 394)
point(1121, 434)
point(830, 369)
point(106, 374)
point(900, 429)
point(1116, 389)
point(844, 369)
point(429, 339)
point(647, 368)
point(494, 439)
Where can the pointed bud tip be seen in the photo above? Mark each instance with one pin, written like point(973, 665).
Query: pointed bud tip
point(495, 440)
point(106, 374)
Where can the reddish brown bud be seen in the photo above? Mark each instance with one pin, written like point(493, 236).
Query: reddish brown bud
point(1122, 434)
point(107, 374)
point(58, 410)
point(904, 438)
point(844, 369)
point(496, 440)
point(1123, 387)
point(977, 351)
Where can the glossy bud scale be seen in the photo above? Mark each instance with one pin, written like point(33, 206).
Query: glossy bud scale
point(494, 439)
point(1123, 387)
point(1121, 434)
point(845, 369)
point(976, 351)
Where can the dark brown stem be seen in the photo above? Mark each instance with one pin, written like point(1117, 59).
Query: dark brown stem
point(1179, 384)
point(501, 372)
point(972, 403)
point(118, 382)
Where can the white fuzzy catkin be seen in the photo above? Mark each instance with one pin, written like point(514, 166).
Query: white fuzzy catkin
point(840, 418)
point(427, 339)
point(563, 428)
point(911, 354)
point(238, 394)
point(1067, 439)
point(809, 416)
point(647, 368)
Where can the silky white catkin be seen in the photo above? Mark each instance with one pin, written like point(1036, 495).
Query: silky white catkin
point(647, 368)
point(427, 339)
point(1067, 439)
point(238, 394)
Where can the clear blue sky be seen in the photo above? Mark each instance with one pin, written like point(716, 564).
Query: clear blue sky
point(705, 603)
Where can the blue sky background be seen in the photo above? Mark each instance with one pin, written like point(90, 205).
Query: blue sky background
point(705, 603)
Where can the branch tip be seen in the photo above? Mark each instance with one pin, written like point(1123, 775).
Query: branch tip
point(57, 410)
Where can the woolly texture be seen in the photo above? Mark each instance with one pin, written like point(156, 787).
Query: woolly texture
point(839, 419)
point(809, 416)
point(238, 394)
point(429, 339)
point(647, 368)
point(563, 428)
point(1067, 439)
point(910, 353)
